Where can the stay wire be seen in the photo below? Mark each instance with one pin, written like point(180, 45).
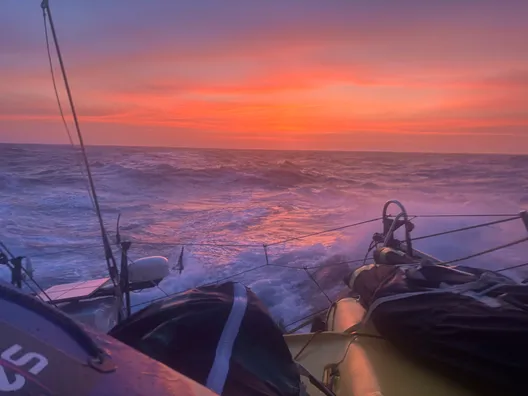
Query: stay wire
point(486, 251)
point(209, 244)
point(38, 287)
point(110, 260)
point(318, 267)
point(305, 317)
point(58, 252)
point(59, 104)
point(26, 272)
point(464, 215)
point(318, 286)
point(466, 228)
point(53, 80)
point(6, 249)
point(512, 267)
point(323, 232)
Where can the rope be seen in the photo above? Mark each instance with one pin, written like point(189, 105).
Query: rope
point(466, 228)
point(486, 251)
point(110, 260)
point(323, 232)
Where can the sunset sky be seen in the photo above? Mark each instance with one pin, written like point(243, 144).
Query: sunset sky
point(399, 75)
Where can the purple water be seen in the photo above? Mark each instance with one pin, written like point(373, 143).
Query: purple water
point(168, 196)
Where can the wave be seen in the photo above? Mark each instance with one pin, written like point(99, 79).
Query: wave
point(28, 166)
point(284, 174)
point(49, 179)
point(255, 197)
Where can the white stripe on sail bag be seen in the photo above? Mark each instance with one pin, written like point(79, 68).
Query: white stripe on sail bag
point(218, 374)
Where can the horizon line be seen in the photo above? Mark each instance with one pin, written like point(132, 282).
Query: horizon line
point(267, 149)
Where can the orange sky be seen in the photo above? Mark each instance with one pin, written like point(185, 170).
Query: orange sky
point(302, 75)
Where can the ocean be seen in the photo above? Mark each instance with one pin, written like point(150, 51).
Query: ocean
point(224, 205)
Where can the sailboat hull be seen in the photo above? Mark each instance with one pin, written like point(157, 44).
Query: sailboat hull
point(364, 365)
point(43, 353)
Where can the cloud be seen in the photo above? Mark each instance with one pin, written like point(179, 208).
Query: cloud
point(267, 72)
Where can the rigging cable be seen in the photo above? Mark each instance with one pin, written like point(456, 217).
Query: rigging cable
point(110, 260)
point(25, 271)
point(485, 251)
point(467, 228)
point(464, 215)
point(512, 267)
point(323, 232)
point(6, 249)
point(70, 138)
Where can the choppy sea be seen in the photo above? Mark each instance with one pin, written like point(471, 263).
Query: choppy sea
point(224, 205)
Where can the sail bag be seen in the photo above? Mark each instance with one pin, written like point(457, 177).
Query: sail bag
point(468, 323)
point(222, 336)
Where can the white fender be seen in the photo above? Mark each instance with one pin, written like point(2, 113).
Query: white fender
point(148, 269)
